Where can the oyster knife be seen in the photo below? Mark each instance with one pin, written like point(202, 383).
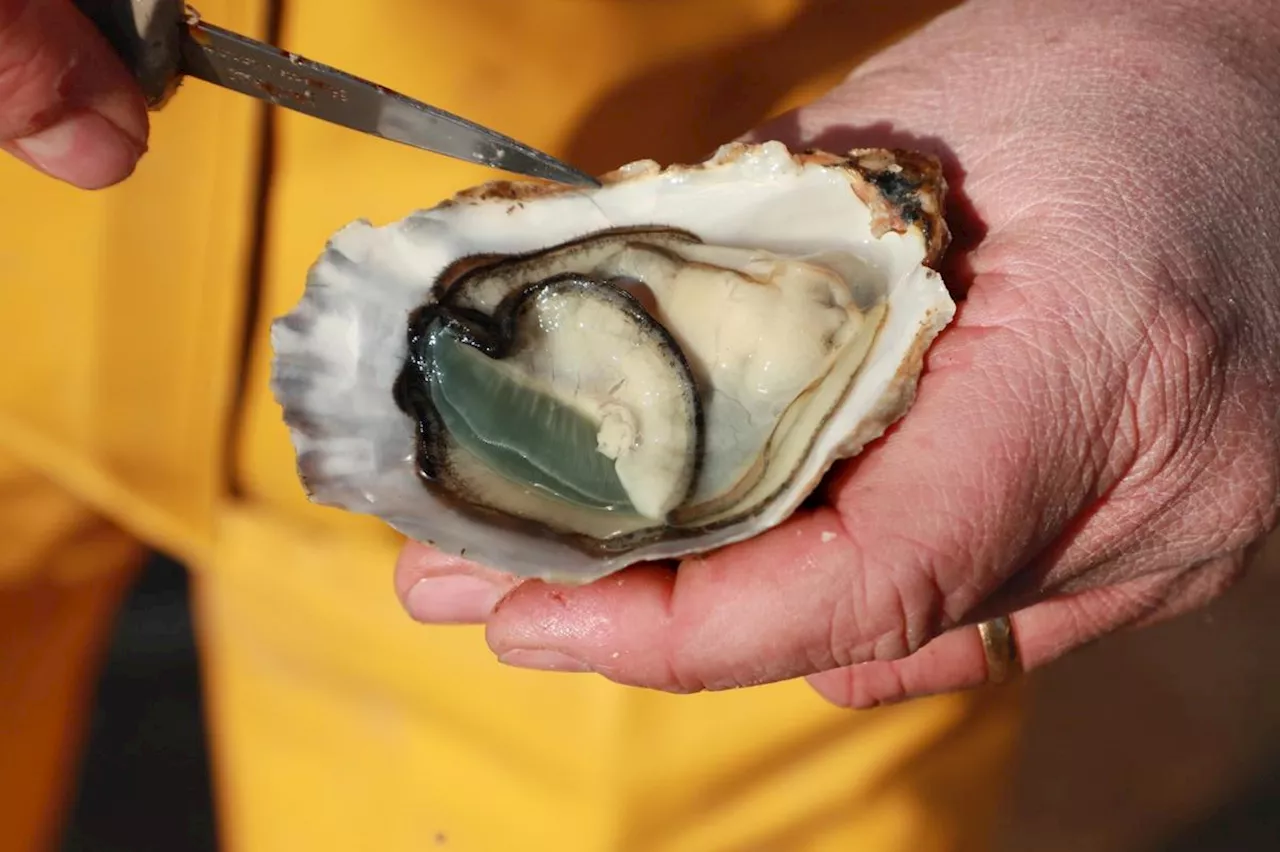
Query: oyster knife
point(164, 40)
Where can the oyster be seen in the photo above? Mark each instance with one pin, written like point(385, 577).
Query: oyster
point(561, 382)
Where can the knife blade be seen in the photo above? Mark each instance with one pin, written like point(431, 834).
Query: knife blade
point(162, 51)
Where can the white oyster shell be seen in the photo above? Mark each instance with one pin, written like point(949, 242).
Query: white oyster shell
point(874, 216)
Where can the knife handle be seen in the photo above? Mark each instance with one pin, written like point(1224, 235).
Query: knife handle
point(146, 36)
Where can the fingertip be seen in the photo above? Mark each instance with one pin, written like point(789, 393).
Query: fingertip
point(83, 149)
point(538, 612)
point(439, 588)
point(452, 599)
point(126, 108)
point(612, 625)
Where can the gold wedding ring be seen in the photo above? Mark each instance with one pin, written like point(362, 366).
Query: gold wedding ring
point(1001, 649)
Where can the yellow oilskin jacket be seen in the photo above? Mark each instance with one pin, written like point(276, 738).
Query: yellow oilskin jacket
point(135, 412)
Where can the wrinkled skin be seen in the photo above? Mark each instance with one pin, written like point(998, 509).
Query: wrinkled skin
point(67, 105)
point(1096, 440)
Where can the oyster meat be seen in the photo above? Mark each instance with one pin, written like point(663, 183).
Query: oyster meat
point(561, 382)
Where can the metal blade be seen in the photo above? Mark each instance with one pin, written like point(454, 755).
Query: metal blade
point(285, 79)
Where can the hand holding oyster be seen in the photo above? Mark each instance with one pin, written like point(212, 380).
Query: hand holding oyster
point(1093, 445)
point(561, 382)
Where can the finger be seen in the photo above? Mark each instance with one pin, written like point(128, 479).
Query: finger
point(952, 662)
point(68, 106)
point(1042, 633)
point(439, 589)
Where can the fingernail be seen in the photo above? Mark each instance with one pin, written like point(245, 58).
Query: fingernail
point(83, 149)
point(452, 599)
point(546, 661)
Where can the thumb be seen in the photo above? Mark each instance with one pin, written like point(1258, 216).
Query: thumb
point(68, 106)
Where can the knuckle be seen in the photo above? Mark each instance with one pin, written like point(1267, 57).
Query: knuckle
point(682, 666)
point(1196, 341)
point(879, 689)
point(1180, 358)
point(1175, 383)
point(888, 615)
point(1198, 414)
point(1211, 465)
point(863, 687)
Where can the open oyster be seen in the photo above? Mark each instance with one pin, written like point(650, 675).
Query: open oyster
point(561, 382)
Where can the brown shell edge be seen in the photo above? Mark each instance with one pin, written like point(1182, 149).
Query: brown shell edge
point(903, 189)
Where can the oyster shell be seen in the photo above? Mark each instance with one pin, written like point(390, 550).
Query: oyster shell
point(562, 382)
